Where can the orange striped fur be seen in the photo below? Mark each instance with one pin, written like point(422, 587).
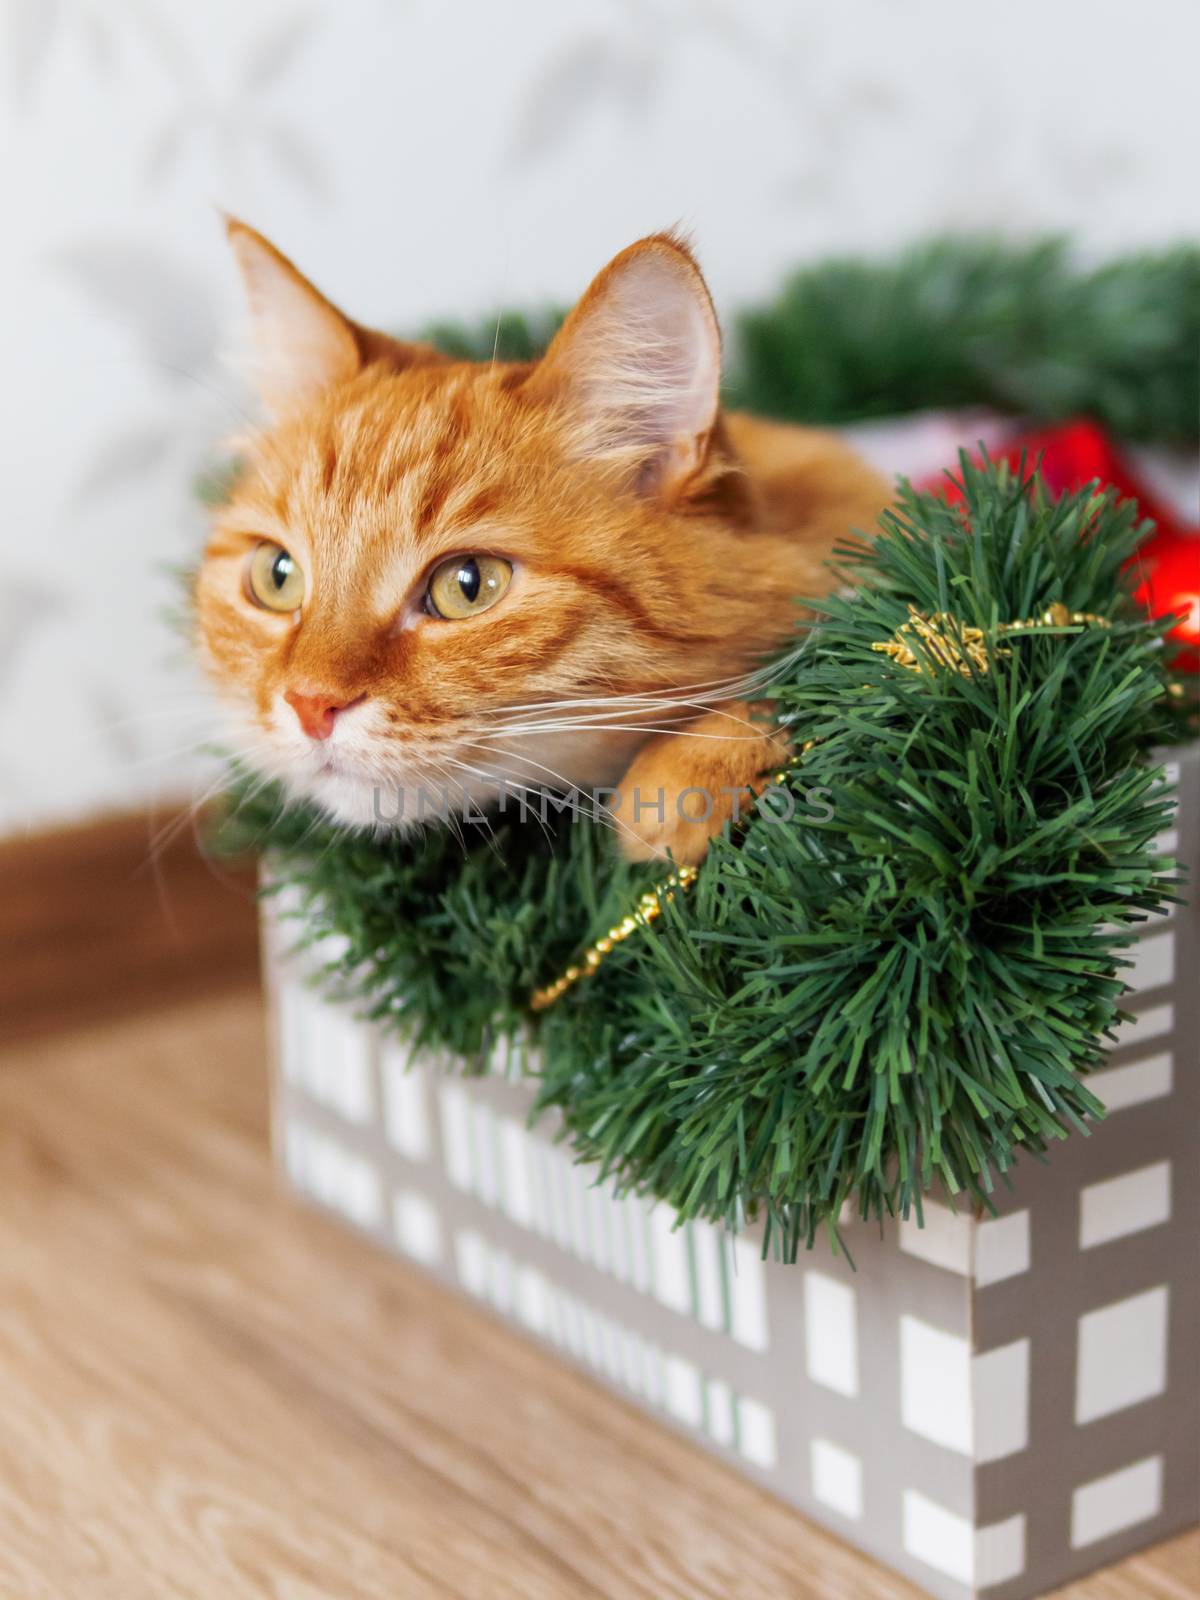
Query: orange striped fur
point(656, 549)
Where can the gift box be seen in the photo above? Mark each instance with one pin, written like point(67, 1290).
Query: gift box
point(990, 1404)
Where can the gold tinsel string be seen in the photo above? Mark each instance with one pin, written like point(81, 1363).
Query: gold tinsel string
point(950, 643)
point(944, 640)
point(649, 907)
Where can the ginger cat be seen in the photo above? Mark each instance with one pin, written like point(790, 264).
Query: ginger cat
point(466, 578)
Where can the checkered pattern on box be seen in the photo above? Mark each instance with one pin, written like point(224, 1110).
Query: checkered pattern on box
point(988, 1405)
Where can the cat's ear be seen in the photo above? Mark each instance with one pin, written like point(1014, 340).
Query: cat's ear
point(302, 343)
point(637, 366)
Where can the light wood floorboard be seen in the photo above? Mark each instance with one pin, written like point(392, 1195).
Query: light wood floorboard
point(208, 1393)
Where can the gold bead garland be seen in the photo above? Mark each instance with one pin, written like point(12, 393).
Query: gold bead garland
point(649, 907)
point(945, 639)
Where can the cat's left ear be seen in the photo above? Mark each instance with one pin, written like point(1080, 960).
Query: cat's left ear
point(303, 344)
point(637, 367)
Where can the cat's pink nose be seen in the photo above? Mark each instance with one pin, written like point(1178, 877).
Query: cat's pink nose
point(317, 710)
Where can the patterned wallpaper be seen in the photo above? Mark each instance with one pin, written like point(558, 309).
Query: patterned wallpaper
point(422, 157)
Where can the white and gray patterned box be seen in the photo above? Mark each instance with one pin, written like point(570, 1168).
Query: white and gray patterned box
point(991, 1406)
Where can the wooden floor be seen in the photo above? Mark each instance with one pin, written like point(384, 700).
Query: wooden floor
point(206, 1391)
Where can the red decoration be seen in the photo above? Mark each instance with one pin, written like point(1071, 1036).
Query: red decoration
point(1170, 562)
point(1073, 454)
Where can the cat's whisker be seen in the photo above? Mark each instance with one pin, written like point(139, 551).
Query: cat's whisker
point(337, 832)
point(533, 730)
point(509, 782)
point(172, 830)
point(318, 820)
point(489, 777)
point(593, 718)
point(618, 823)
point(734, 688)
point(264, 782)
point(157, 757)
point(453, 821)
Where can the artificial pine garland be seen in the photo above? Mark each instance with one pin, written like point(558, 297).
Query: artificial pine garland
point(917, 987)
point(967, 322)
point(902, 986)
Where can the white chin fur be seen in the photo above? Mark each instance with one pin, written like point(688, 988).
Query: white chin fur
point(383, 807)
point(360, 803)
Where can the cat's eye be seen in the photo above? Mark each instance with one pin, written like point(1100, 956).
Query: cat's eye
point(274, 578)
point(464, 586)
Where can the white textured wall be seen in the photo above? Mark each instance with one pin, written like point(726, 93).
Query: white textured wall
point(421, 158)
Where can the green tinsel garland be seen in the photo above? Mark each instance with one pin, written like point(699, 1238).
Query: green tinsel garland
point(904, 995)
point(967, 322)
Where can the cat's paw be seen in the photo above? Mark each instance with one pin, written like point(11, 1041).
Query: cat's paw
point(682, 788)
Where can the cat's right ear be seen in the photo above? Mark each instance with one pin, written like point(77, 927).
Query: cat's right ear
point(636, 368)
point(302, 343)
